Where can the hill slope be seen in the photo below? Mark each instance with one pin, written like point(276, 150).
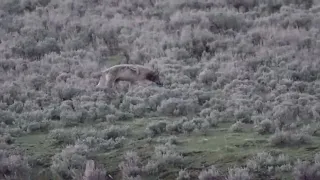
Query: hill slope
point(240, 97)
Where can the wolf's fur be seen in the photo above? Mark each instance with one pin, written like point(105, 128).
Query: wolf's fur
point(127, 72)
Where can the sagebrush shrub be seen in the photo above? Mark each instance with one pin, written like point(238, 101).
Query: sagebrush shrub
point(211, 173)
point(205, 112)
point(34, 116)
point(70, 118)
point(114, 131)
point(183, 175)
point(306, 170)
point(7, 117)
point(265, 164)
point(101, 144)
point(139, 110)
point(14, 166)
point(131, 166)
point(170, 140)
point(310, 129)
point(243, 115)
point(167, 154)
point(33, 126)
point(59, 135)
point(111, 118)
point(284, 168)
point(266, 126)
point(95, 139)
point(176, 126)
point(6, 139)
point(92, 172)
point(189, 126)
point(16, 107)
point(287, 138)
point(15, 131)
point(163, 156)
point(66, 92)
point(237, 127)
point(178, 107)
point(70, 161)
point(123, 116)
point(238, 174)
point(156, 128)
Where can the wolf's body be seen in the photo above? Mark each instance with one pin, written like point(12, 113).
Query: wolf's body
point(127, 72)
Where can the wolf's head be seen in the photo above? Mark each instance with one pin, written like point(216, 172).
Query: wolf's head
point(154, 76)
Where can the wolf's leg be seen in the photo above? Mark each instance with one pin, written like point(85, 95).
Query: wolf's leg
point(116, 87)
point(102, 81)
point(110, 81)
point(131, 84)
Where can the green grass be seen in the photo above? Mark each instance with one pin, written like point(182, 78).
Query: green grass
point(40, 152)
point(37, 145)
point(219, 147)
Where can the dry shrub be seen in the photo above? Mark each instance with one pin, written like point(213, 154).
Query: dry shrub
point(266, 126)
point(164, 156)
point(211, 173)
point(238, 174)
point(70, 161)
point(13, 166)
point(288, 138)
point(131, 166)
point(183, 175)
point(304, 170)
point(94, 173)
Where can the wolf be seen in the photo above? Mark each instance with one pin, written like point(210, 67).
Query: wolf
point(128, 72)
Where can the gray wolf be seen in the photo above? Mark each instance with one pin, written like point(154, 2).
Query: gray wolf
point(128, 72)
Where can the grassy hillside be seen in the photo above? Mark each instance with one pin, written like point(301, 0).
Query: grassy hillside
point(240, 99)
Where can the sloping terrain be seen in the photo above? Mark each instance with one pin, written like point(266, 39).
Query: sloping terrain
point(240, 98)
